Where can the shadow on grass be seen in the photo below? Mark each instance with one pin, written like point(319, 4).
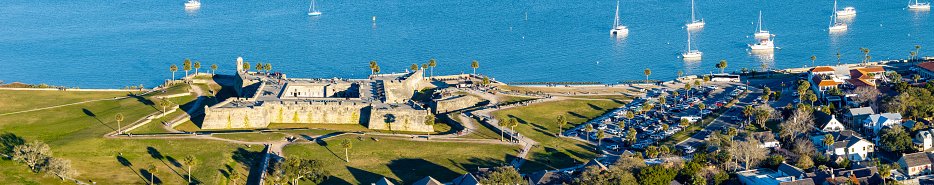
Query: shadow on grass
point(91, 114)
point(325, 145)
point(577, 115)
point(366, 177)
point(594, 107)
point(146, 101)
point(246, 157)
point(123, 161)
point(155, 179)
point(158, 155)
point(173, 161)
point(411, 170)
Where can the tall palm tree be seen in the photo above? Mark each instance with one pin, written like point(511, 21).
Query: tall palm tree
point(513, 122)
point(647, 73)
point(430, 121)
point(424, 67)
point(764, 67)
point(432, 64)
point(190, 160)
point(722, 65)
point(186, 66)
point(376, 70)
point(152, 173)
point(474, 65)
point(588, 128)
point(173, 68)
point(346, 145)
point(197, 66)
point(917, 49)
point(838, 59)
point(561, 122)
point(680, 73)
point(911, 55)
point(812, 60)
point(865, 53)
point(234, 176)
point(414, 67)
point(259, 67)
point(502, 124)
point(268, 67)
point(119, 118)
point(600, 136)
point(165, 104)
point(213, 68)
point(372, 66)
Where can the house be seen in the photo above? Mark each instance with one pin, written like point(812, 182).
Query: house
point(545, 177)
point(926, 70)
point(765, 176)
point(383, 181)
point(427, 181)
point(909, 124)
point(827, 123)
point(923, 140)
point(847, 144)
point(466, 179)
point(915, 164)
point(856, 116)
point(876, 122)
point(866, 76)
point(767, 139)
point(865, 175)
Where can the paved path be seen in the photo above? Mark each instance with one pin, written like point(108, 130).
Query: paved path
point(193, 111)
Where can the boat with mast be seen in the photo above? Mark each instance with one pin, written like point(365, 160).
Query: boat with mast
point(691, 53)
point(918, 5)
point(618, 29)
point(848, 11)
point(193, 4)
point(759, 31)
point(694, 22)
point(312, 11)
point(763, 44)
point(834, 25)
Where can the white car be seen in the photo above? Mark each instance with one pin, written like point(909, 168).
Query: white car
point(613, 147)
point(713, 87)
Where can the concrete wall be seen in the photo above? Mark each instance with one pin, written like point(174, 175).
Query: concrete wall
point(454, 104)
point(401, 120)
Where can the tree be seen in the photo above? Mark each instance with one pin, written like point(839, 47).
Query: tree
point(424, 67)
point(701, 106)
point(118, 118)
point(430, 121)
point(811, 97)
point(656, 175)
point(732, 133)
point(687, 88)
point(749, 151)
point(485, 80)
point(414, 67)
point(513, 122)
point(744, 70)
point(501, 175)
point(911, 56)
point(885, 170)
point(9, 141)
point(33, 154)
point(561, 122)
point(838, 59)
point(706, 79)
point(647, 73)
point(680, 73)
point(213, 68)
point(153, 170)
point(865, 53)
point(805, 162)
point(764, 67)
point(828, 141)
point(432, 64)
point(59, 167)
point(917, 49)
point(915, 78)
point(246, 66)
point(721, 65)
point(812, 60)
point(631, 136)
point(165, 104)
point(268, 67)
point(685, 122)
point(696, 83)
point(600, 136)
point(259, 67)
point(173, 68)
point(502, 124)
point(799, 123)
point(186, 66)
point(697, 179)
point(190, 160)
point(346, 145)
point(235, 175)
point(474, 65)
point(197, 66)
point(895, 139)
point(588, 128)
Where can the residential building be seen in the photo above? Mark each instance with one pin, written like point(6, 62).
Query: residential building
point(383, 181)
point(855, 117)
point(427, 181)
point(865, 175)
point(915, 164)
point(876, 122)
point(765, 176)
point(823, 79)
point(767, 139)
point(827, 123)
point(926, 70)
point(923, 140)
point(847, 144)
point(866, 76)
point(546, 177)
point(466, 179)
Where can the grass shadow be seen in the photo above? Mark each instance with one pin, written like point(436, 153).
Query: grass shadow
point(594, 107)
point(410, 170)
point(365, 177)
point(123, 161)
point(155, 179)
point(577, 115)
point(91, 114)
point(325, 145)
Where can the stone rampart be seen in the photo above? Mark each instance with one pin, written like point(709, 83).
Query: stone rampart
point(400, 119)
point(454, 104)
point(283, 112)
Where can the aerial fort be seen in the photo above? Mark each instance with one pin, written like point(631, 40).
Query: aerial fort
point(379, 102)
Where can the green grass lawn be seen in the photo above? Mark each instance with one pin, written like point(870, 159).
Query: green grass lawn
point(75, 133)
point(404, 162)
point(156, 127)
point(253, 137)
point(513, 99)
point(537, 121)
point(483, 131)
point(20, 100)
point(174, 89)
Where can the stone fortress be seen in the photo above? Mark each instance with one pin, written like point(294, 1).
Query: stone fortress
point(380, 102)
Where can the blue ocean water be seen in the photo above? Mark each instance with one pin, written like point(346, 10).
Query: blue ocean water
point(117, 43)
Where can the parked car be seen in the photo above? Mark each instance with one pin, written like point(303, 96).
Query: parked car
point(713, 87)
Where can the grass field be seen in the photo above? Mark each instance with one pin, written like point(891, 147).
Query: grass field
point(156, 127)
point(75, 133)
point(252, 137)
point(404, 162)
point(482, 132)
point(20, 100)
point(513, 99)
point(537, 121)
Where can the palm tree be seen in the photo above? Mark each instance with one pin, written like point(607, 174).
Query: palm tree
point(647, 73)
point(234, 176)
point(414, 67)
point(502, 123)
point(513, 122)
point(685, 123)
point(911, 55)
point(267, 67)
point(764, 67)
point(432, 64)
point(661, 102)
point(152, 172)
point(680, 73)
point(917, 49)
point(213, 68)
point(722, 65)
point(732, 132)
point(173, 68)
point(186, 66)
point(190, 160)
point(828, 141)
point(865, 53)
point(259, 67)
point(629, 116)
point(346, 145)
point(430, 121)
point(424, 67)
point(165, 103)
point(588, 128)
point(600, 136)
point(812, 60)
point(474, 65)
point(119, 118)
point(838, 59)
point(197, 66)
point(561, 122)
point(246, 66)
point(376, 70)
point(372, 66)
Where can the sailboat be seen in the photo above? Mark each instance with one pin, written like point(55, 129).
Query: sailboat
point(193, 4)
point(694, 22)
point(760, 32)
point(918, 5)
point(763, 44)
point(834, 25)
point(848, 11)
point(312, 11)
point(618, 29)
point(691, 53)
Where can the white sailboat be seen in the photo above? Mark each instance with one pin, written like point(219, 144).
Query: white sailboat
point(848, 11)
point(834, 25)
point(763, 44)
point(312, 11)
point(694, 22)
point(759, 31)
point(691, 53)
point(193, 4)
point(618, 29)
point(918, 5)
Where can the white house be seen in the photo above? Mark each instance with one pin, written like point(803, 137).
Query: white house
point(827, 123)
point(848, 145)
point(767, 139)
point(876, 122)
point(923, 140)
